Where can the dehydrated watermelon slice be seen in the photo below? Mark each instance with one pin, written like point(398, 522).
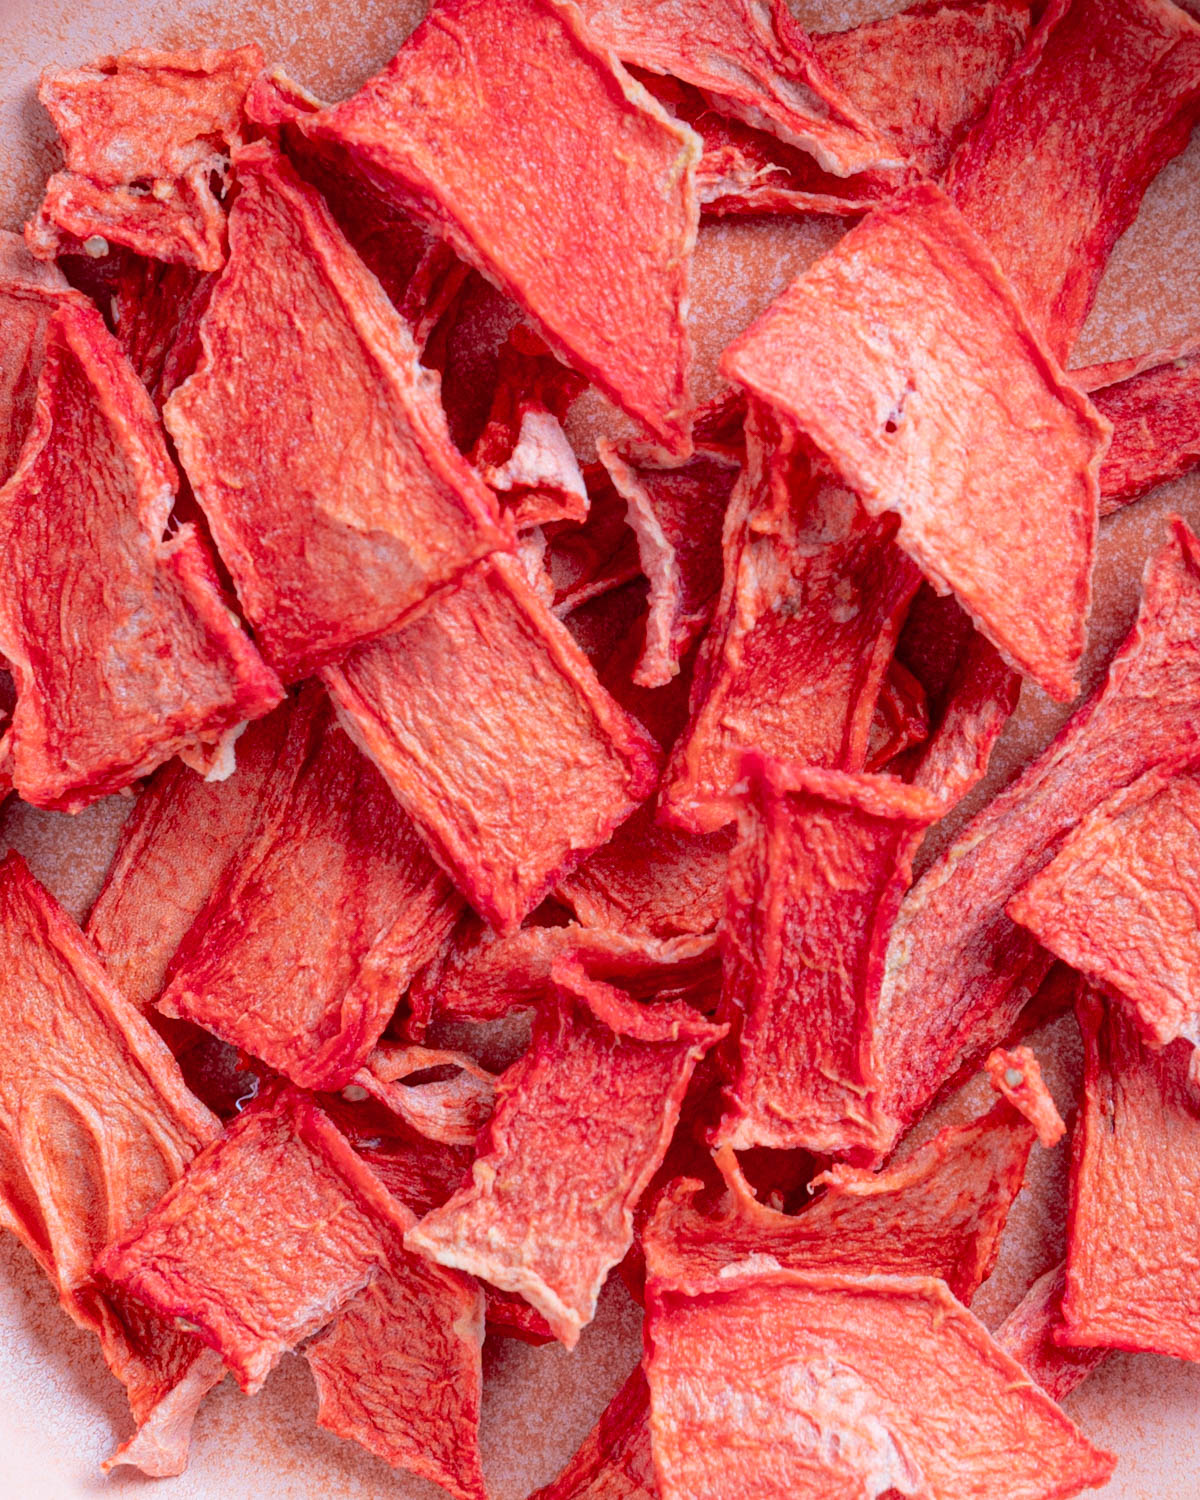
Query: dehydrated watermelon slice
point(513, 92)
point(1029, 1334)
point(1135, 1188)
point(322, 463)
point(144, 135)
point(1153, 404)
point(812, 889)
point(398, 1370)
point(901, 721)
point(1118, 902)
point(1103, 96)
point(264, 1239)
point(156, 312)
point(813, 596)
point(1018, 1076)
point(495, 735)
point(123, 650)
point(959, 971)
point(174, 847)
point(27, 307)
point(752, 61)
point(337, 880)
point(905, 357)
point(452, 1109)
point(614, 1461)
point(938, 1210)
point(677, 515)
point(95, 1124)
point(792, 1384)
point(581, 1123)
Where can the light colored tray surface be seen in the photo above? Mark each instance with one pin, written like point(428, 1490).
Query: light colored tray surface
point(60, 1410)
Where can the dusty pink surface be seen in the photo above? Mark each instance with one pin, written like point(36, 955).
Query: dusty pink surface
point(59, 1408)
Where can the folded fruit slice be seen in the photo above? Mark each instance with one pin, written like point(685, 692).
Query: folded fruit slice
point(123, 650)
point(581, 1123)
point(1030, 1335)
point(336, 882)
point(812, 892)
point(1117, 902)
point(814, 593)
point(95, 1124)
point(174, 848)
point(144, 135)
point(273, 1228)
point(1153, 404)
point(789, 1384)
point(905, 357)
point(959, 970)
point(484, 93)
point(322, 463)
point(491, 729)
point(398, 1370)
point(753, 62)
point(1103, 96)
point(1135, 1188)
point(452, 1110)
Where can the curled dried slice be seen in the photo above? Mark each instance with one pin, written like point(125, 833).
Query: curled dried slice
point(398, 1370)
point(581, 1123)
point(514, 93)
point(451, 1109)
point(1153, 404)
point(174, 848)
point(812, 890)
point(1135, 1188)
point(1029, 1334)
point(1117, 902)
point(813, 596)
point(494, 734)
point(959, 421)
point(959, 970)
point(322, 463)
point(336, 878)
point(123, 650)
point(1018, 1076)
point(273, 1228)
point(753, 61)
point(144, 135)
point(1103, 96)
point(95, 1124)
point(790, 1384)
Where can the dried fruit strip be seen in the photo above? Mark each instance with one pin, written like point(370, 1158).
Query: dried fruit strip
point(1029, 1334)
point(493, 732)
point(323, 464)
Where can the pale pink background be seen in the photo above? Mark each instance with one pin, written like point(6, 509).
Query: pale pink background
point(59, 1408)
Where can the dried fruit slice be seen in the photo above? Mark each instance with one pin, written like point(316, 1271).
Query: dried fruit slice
point(27, 308)
point(122, 649)
point(958, 970)
point(268, 1234)
point(752, 61)
point(514, 785)
point(938, 1210)
point(901, 721)
point(581, 1123)
point(451, 1109)
point(335, 877)
point(790, 1384)
point(614, 1462)
point(1103, 96)
point(1029, 1334)
point(485, 93)
point(1018, 1076)
point(174, 847)
point(957, 419)
point(813, 596)
point(398, 1370)
point(334, 494)
point(812, 890)
point(1135, 1188)
point(156, 312)
point(144, 135)
point(1153, 404)
point(1117, 902)
point(95, 1124)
